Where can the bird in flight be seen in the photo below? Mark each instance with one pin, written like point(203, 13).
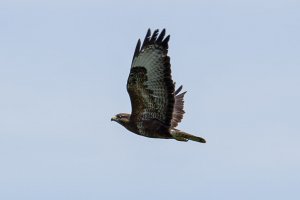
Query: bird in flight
point(157, 108)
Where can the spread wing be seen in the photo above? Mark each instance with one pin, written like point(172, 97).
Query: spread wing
point(150, 85)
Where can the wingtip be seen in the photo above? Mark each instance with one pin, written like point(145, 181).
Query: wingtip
point(165, 41)
point(148, 31)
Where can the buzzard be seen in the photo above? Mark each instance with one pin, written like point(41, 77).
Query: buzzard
point(157, 107)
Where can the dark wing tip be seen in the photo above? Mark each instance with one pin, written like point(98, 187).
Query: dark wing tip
point(156, 38)
point(147, 39)
point(161, 36)
point(137, 49)
point(165, 42)
point(150, 39)
point(178, 90)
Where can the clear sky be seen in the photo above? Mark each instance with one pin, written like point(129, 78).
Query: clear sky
point(63, 71)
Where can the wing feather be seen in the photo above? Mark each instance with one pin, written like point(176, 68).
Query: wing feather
point(178, 111)
point(137, 49)
point(150, 85)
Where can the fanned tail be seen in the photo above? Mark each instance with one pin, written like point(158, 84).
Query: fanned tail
point(182, 136)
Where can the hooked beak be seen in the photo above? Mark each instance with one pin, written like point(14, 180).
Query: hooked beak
point(113, 119)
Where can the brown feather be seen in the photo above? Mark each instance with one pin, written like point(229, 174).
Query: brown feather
point(150, 85)
point(178, 111)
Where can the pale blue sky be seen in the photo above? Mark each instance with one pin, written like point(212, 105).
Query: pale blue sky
point(63, 71)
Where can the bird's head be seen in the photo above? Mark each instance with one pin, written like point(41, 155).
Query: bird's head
point(121, 118)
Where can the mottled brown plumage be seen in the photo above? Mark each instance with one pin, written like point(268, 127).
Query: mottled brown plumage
point(156, 107)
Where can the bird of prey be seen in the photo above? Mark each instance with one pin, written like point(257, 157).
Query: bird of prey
point(157, 107)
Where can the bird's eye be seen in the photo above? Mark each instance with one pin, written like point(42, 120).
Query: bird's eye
point(119, 116)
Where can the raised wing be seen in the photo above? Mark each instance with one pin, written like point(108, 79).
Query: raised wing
point(150, 85)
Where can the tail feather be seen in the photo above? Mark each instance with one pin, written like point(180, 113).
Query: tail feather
point(182, 136)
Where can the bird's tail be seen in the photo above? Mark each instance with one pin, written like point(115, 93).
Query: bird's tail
point(182, 136)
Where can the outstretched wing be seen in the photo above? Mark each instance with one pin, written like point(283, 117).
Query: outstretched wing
point(150, 85)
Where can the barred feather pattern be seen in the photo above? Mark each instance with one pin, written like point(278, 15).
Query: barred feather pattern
point(150, 85)
point(178, 111)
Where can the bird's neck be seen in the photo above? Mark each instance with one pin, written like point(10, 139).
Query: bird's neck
point(129, 125)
